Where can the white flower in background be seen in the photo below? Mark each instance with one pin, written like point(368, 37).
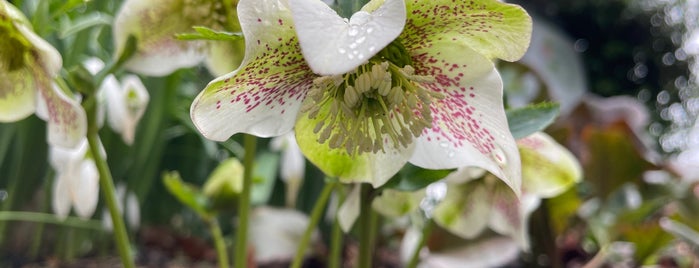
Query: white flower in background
point(125, 106)
point(275, 233)
point(125, 102)
point(154, 24)
point(293, 164)
point(76, 183)
point(133, 213)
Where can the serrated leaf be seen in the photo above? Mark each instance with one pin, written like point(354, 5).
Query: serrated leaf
point(412, 178)
point(204, 33)
point(527, 120)
point(187, 194)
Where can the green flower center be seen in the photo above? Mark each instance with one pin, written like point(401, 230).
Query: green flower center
point(376, 106)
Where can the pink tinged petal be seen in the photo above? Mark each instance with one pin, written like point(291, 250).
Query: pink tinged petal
point(17, 95)
point(465, 209)
point(507, 216)
point(85, 188)
point(491, 28)
point(66, 123)
point(154, 24)
point(60, 198)
point(333, 45)
point(469, 126)
point(264, 95)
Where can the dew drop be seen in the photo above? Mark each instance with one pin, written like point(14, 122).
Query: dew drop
point(450, 154)
point(353, 30)
point(360, 56)
point(350, 56)
point(372, 48)
point(353, 45)
point(444, 144)
point(341, 50)
point(369, 30)
point(360, 40)
point(499, 156)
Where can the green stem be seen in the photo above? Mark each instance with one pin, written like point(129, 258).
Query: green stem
point(316, 213)
point(241, 243)
point(50, 219)
point(415, 258)
point(366, 231)
point(218, 243)
point(336, 236)
point(107, 184)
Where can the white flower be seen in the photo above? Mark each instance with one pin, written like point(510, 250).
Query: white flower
point(77, 181)
point(293, 164)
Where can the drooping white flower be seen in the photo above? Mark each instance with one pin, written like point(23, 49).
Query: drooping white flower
point(76, 183)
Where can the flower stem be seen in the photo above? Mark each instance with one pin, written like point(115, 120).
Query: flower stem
point(366, 227)
point(73, 222)
point(106, 182)
point(220, 245)
point(415, 258)
point(241, 243)
point(316, 213)
point(109, 193)
point(335, 257)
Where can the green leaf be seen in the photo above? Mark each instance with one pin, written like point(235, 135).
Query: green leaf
point(204, 33)
point(86, 22)
point(264, 176)
point(412, 178)
point(187, 194)
point(527, 120)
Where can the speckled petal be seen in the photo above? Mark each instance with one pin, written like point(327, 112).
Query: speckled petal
point(264, 95)
point(492, 28)
point(333, 45)
point(374, 168)
point(154, 24)
point(469, 125)
point(66, 120)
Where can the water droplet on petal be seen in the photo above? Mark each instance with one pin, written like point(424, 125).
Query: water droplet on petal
point(444, 144)
point(360, 39)
point(372, 48)
point(499, 156)
point(369, 30)
point(341, 50)
point(353, 45)
point(353, 30)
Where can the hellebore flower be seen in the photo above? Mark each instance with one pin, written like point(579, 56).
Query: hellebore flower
point(292, 165)
point(28, 65)
point(397, 82)
point(77, 180)
point(154, 24)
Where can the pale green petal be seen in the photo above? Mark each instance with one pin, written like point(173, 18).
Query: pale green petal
point(469, 125)
point(374, 168)
point(333, 45)
point(548, 169)
point(393, 203)
point(265, 94)
point(490, 27)
point(154, 24)
point(465, 210)
point(224, 56)
point(17, 95)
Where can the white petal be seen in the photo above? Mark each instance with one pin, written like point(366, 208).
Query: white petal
point(332, 45)
point(133, 212)
point(126, 106)
point(60, 196)
point(495, 252)
point(276, 233)
point(85, 188)
point(348, 212)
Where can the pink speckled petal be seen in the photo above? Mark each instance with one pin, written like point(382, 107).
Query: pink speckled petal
point(469, 125)
point(264, 95)
point(490, 27)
